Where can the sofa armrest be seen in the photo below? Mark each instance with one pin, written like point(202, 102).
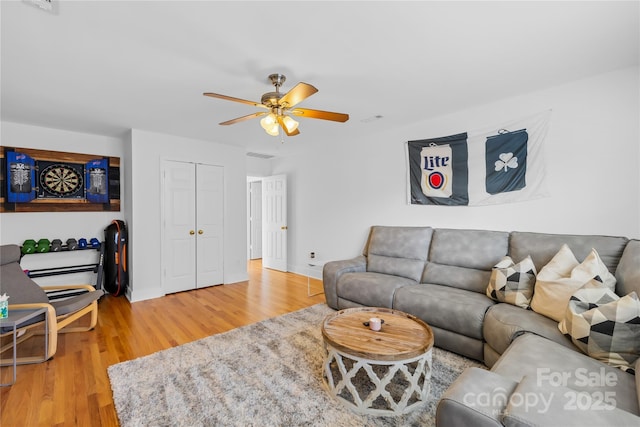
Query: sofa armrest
point(535, 405)
point(476, 398)
point(332, 271)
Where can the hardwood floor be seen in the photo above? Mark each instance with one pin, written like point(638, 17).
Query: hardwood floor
point(73, 388)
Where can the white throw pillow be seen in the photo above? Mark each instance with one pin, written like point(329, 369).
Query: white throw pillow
point(562, 276)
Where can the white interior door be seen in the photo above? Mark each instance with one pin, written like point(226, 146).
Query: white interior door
point(179, 219)
point(255, 220)
point(209, 218)
point(274, 222)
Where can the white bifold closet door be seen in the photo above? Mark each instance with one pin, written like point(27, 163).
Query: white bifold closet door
point(193, 215)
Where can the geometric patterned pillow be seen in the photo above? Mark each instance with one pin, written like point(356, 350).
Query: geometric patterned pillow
point(603, 325)
point(512, 283)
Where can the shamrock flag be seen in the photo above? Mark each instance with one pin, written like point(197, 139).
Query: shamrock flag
point(506, 158)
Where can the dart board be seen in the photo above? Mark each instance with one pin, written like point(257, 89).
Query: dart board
point(61, 180)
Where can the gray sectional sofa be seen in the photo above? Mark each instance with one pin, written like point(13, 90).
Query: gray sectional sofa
point(441, 276)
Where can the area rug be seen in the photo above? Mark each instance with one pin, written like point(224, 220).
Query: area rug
point(265, 374)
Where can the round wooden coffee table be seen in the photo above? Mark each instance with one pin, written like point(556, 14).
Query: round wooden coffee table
point(378, 373)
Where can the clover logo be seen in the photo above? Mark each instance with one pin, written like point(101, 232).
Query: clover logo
point(507, 160)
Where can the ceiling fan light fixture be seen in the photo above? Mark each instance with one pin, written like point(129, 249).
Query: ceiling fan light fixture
point(268, 121)
point(289, 124)
point(273, 130)
point(270, 124)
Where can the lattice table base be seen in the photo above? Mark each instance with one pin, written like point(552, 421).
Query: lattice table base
point(377, 387)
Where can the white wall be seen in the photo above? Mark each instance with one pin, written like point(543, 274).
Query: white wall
point(338, 191)
point(258, 167)
point(340, 188)
point(17, 227)
point(147, 150)
point(140, 153)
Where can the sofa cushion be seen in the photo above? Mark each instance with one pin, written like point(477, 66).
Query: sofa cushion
point(398, 251)
point(604, 326)
point(470, 279)
point(371, 289)
point(512, 283)
point(408, 268)
point(478, 249)
point(445, 307)
point(505, 322)
point(542, 247)
point(552, 365)
point(562, 276)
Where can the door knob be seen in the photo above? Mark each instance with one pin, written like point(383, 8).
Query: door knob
point(200, 231)
point(191, 232)
point(284, 227)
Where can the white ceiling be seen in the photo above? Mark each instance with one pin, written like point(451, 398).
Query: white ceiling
point(106, 67)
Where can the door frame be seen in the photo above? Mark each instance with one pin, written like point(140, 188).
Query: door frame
point(252, 210)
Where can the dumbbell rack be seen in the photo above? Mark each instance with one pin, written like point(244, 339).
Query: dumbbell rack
point(97, 267)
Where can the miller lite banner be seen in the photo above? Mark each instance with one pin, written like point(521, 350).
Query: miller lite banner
point(501, 164)
point(437, 171)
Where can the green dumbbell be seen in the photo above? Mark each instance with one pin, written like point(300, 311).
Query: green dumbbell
point(29, 246)
point(43, 245)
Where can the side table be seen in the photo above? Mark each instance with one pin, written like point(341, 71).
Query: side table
point(313, 265)
point(16, 318)
point(385, 372)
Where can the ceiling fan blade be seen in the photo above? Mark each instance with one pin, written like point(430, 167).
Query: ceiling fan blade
point(300, 92)
point(243, 118)
point(231, 98)
point(292, 133)
point(319, 114)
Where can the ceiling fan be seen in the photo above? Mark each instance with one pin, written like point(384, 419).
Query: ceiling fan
point(281, 106)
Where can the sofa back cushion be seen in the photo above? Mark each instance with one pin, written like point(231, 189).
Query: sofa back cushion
point(464, 258)
point(399, 251)
point(628, 271)
point(543, 247)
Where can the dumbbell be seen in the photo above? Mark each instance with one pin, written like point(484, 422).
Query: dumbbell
point(72, 244)
point(56, 245)
point(29, 246)
point(43, 245)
